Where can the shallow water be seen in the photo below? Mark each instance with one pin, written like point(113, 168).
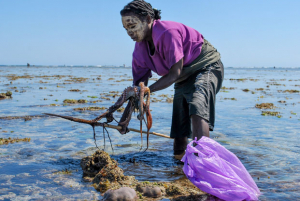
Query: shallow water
point(268, 146)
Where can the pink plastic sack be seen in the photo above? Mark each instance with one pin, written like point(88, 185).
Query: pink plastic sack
point(218, 172)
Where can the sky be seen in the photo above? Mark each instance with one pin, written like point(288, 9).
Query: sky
point(250, 33)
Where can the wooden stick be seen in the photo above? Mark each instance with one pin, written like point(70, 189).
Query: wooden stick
point(90, 122)
point(134, 130)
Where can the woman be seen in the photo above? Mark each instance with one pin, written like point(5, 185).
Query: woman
point(182, 56)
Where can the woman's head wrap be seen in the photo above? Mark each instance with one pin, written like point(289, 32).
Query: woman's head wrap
point(141, 8)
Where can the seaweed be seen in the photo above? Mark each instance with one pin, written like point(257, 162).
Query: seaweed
point(5, 141)
point(265, 106)
point(90, 108)
point(270, 113)
point(6, 95)
point(73, 101)
point(105, 175)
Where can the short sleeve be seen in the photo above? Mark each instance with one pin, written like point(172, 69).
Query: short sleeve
point(139, 73)
point(171, 46)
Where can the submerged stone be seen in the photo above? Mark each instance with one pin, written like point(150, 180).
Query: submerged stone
point(91, 165)
point(123, 193)
point(110, 172)
point(153, 192)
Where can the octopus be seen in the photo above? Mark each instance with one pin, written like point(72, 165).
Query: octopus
point(135, 96)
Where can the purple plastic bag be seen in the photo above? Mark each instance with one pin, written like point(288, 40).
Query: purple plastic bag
point(218, 171)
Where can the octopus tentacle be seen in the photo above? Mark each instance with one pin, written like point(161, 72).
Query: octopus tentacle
point(127, 93)
point(148, 115)
point(141, 108)
point(126, 117)
point(132, 94)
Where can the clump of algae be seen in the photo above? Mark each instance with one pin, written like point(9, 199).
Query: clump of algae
point(105, 174)
point(265, 106)
point(270, 113)
point(89, 108)
point(73, 101)
point(4, 141)
point(6, 95)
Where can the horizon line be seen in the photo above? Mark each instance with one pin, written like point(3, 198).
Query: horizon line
point(124, 66)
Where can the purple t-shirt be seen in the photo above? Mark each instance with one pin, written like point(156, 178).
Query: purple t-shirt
point(173, 41)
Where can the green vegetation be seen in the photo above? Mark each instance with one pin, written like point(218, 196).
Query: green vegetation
point(4, 141)
point(269, 113)
point(265, 106)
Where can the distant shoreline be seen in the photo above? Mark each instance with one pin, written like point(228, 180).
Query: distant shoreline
point(112, 66)
point(96, 66)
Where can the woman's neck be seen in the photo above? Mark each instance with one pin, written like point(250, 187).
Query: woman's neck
point(151, 47)
point(149, 39)
point(149, 32)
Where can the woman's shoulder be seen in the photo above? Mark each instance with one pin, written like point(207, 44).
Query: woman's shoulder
point(165, 25)
point(161, 27)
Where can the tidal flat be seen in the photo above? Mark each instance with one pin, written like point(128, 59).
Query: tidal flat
point(47, 167)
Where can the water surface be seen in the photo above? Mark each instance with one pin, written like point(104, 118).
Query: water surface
point(268, 146)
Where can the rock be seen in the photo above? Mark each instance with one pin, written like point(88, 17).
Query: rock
point(121, 194)
point(104, 172)
point(109, 172)
point(174, 190)
point(152, 192)
point(109, 179)
point(103, 185)
point(91, 165)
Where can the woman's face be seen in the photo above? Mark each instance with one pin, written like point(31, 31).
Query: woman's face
point(136, 29)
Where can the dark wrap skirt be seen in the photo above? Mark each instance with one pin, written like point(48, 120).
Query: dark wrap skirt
point(195, 91)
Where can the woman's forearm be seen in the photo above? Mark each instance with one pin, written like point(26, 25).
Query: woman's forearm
point(168, 79)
